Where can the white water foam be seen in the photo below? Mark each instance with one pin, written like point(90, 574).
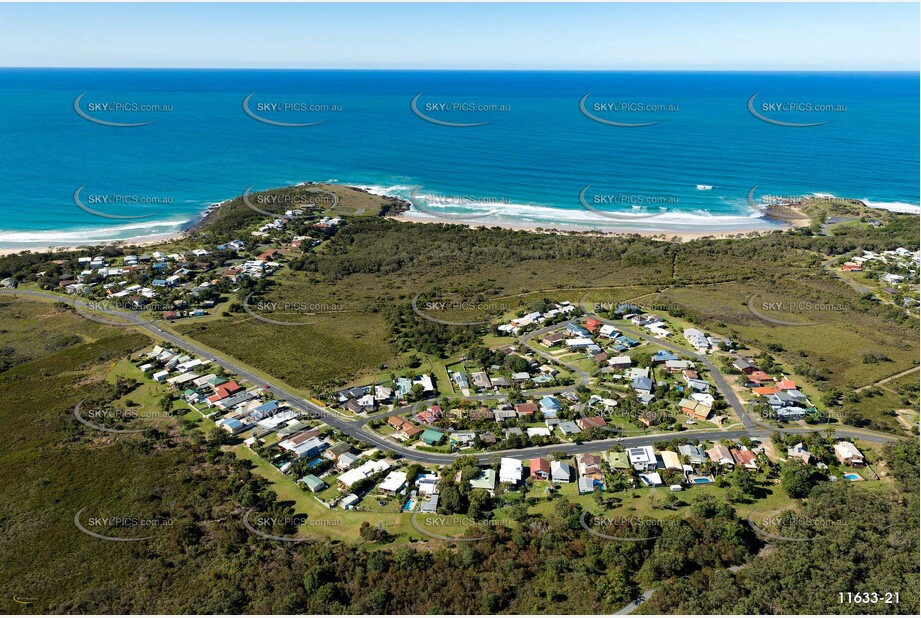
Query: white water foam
point(534, 215)
point(129, 231)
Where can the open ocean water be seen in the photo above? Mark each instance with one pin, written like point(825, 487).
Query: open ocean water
point(515, 148)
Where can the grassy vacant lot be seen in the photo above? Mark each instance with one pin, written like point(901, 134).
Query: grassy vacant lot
point(30, 330)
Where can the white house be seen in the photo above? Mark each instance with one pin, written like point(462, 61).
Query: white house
point(510, 471)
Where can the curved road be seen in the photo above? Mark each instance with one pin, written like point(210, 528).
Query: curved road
point(356, 429)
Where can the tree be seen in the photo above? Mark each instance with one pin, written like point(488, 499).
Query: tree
point(796, 478)
point(743, 480)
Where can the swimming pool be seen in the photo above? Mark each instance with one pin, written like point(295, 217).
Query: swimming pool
point(701, 479)
point(851, 476)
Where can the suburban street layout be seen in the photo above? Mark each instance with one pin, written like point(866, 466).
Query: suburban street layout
point(569, 309)
point(497, 415)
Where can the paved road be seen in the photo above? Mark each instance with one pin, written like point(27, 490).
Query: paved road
point(633, 605)
point(721, 383)
point(827, 266)
point(356, 429)
point(584, 376)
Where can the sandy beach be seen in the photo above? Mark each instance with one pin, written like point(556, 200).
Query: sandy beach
point(788, 217)
point(680, 236)
point(145, 241)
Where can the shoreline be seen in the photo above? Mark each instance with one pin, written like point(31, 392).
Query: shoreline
point(595, 232)
point(785, 217)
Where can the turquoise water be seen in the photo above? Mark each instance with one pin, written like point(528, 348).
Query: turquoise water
point(526, 167)
point(702, 481)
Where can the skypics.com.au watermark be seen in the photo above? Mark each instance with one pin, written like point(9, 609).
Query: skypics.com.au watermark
point(115, 113)
point(91, 202)
point(440, 205)
point(288, 111)
point(303, 313)
point(767, 200)
point(438, 112)
point(628, 529)
point(626, 207)
point(618, 112)
point(790, 526)
point(92, 417)
point(296, 205)
point(262, 525)
point(793, 311)
point(456, 310)
point(626, 308)
point(789, 113)
point(127, 526)
point(433, 526)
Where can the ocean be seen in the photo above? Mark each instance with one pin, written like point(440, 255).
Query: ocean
point(700, 152)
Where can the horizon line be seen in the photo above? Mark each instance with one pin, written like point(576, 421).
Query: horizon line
point(464, 70)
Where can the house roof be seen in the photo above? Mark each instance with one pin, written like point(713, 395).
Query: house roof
point(618, 460)
point(431, 436)
point(526, 408)
point(486, 479)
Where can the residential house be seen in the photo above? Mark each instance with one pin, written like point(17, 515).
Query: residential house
point(432, 437)
point(799, 451)
point(568, 428)
point(848, 454)
point(697, 339)
point(365, 470)
point(642, 386)
point(550, 405)
point(313, 483)
point(560, 472)
point(526, 409)
point(481, 379)
point(486, 479)
point(337, 450)
point(620, 362)
point(540, 469)
point(745, 458)
point(663, 356)
point(589, 422)
point(642, 458)
point(694, 409)
point(393, 483)
point(579, 343)
point(589, 465)
point(694, 453)
point(510, 470)
point(721, 455)
point(674, 366)
point(346, 461)
point(618, 460)
point(551, 340)
point(671, 460)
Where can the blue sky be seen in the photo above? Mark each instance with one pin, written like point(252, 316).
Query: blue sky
point(780, 36)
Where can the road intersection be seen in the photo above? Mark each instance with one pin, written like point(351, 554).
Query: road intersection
point(356, 427)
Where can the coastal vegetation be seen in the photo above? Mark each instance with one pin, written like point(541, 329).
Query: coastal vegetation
point(203, 560)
